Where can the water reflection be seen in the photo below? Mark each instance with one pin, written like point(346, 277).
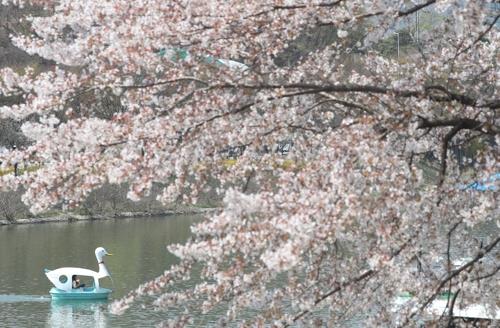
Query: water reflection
point(139, 255)
point(78, 313)
point(139, 247)
point(23, 298)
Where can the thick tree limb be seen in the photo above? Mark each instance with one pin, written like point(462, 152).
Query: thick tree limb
point(465, 123)
point(457, 124)
point(449, 95)
point(309, 88)
point(346, 88)
point(444, 151)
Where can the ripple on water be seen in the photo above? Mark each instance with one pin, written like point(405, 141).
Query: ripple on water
point(11, 298)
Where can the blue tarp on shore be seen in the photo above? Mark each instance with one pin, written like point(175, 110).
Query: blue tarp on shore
point(487, 184)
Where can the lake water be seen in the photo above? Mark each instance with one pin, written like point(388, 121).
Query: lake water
point(139, 248)
point(139, 254)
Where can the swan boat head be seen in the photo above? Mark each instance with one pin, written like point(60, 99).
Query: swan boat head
point(62, 278)
point(100, 252)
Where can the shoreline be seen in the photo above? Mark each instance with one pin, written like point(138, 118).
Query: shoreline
point(70, 217)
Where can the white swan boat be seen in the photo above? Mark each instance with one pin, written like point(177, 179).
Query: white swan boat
point(65, 288)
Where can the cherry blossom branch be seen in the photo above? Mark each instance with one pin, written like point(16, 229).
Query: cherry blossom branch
point(364, 275)
point(294, 7)
point(412, 10)
point(308, 88)
point(220, 107)
point(339, 88)
point(319, 103)
point(482, 252)
point(158, 83)
point(345, 88)
point(448, 267)
point(444, 151)
point(346, 103)
point(488, 275)
point(466, 100)
point(305, 128)
point(167, 111)
point(457, 124)
point(401, 13)
point(490, 26)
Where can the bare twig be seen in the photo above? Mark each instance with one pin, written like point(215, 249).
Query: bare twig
point(247, 183)
point(448, 258)
point(305, 128)
point(488, 275)
point(449, 245)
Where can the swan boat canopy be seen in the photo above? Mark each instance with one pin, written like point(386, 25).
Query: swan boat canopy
point(64, 288)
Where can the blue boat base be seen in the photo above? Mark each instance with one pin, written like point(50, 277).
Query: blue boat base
point(82, 293)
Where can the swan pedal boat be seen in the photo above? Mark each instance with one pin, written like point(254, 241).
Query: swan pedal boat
point(63, 283)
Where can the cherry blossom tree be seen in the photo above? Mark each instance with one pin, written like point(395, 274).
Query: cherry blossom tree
point(351, 218)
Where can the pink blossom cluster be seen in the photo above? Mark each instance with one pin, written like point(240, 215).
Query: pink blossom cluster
point(362, 207)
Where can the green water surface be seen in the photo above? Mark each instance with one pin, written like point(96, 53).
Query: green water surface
point(139, 248)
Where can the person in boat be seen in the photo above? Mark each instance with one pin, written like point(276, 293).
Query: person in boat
point(76, 282)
